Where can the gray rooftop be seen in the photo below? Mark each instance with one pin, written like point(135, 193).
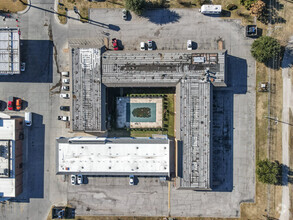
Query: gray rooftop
point(9, 51)
point(192, 72)
point(87, 92)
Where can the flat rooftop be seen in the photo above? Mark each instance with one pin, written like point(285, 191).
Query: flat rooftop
point(87, 91)
point(110, 156)
point(193, 73)
point(9, 51)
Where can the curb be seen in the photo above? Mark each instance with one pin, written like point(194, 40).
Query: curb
point(25, 10)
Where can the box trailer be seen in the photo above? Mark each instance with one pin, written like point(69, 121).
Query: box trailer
point(211, 9)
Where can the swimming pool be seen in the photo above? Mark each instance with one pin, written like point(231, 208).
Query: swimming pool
point(131, 106)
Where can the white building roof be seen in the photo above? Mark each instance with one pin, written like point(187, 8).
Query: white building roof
point(7, 187)
point(9, 51)
point(114, 156)
point(7, 153)
point(7, 129)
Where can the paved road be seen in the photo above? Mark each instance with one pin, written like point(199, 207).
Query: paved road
point(287, 107)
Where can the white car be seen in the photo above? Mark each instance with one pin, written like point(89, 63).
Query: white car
point(131, 180)
point(150, 45)
point(22, 67)
point(73, 180)
point(63, 118)
point(65, 74)
point(189, 45)
point(79, 179)
point(64, 95)
point(65, 88)
point(65, 81)
point(142, 46)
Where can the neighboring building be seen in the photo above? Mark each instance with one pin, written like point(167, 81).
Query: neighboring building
point(11, 135)
point(9, 51)
point(192, 73)
point(113, 156)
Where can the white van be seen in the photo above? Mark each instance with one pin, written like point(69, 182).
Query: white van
point(28, 119)
point(65, 74)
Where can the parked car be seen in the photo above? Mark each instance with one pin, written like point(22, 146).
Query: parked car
point(142, 46)
point(22, 67)
point(18, 104)
point(64, 108)
point(63, 118)
point(124, 14)
point(66, 74)
point(65, 81)
point(10, 103)
point(131, 180)
point(115, 44)
point(64, 95)
point(189, 45)
point(79, 179)
point(150, 45)
point(73, 180)
point(65, 88)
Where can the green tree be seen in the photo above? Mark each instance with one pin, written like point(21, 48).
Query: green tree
point(265, 48)
point(268, 172)
point(137, 6)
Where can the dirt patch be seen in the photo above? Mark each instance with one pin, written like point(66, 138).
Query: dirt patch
point(12, 6)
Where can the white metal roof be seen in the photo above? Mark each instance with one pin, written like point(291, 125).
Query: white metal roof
point(115, 158)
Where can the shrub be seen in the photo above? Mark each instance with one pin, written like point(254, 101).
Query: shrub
point(268, 172)
point(247, 3)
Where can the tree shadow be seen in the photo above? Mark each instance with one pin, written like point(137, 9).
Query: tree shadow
point(161, 16)
point(270, 13)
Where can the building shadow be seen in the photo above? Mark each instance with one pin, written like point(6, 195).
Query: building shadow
point(223, 120)
point(161, 16)
point(38, 58)
point(33, 161)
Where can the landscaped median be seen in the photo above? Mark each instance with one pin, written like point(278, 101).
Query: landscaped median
point(12, 6)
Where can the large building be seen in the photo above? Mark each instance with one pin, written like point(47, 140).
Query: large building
point(113, 156)
point(192, 73)
point(9, 51)
point(11, 135)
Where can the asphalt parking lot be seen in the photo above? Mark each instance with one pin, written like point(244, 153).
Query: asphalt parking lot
point(233, 153)
point(170, 30)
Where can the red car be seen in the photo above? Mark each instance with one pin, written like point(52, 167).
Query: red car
point(10, 103)
point(115, 43)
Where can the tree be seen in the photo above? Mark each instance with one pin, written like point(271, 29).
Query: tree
point(257, 8)
point(268, 172)
point(137, 6)
point(265, 48)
